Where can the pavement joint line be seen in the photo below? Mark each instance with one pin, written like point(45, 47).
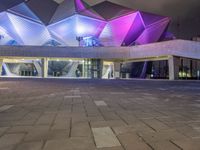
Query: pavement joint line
point(149, 145)
point(175, 144)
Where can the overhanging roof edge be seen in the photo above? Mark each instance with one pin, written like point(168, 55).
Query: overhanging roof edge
point(181, 48)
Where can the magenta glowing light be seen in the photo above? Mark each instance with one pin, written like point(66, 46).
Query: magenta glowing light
point(79, 5)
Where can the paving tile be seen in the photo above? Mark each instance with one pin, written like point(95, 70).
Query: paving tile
point(104, 137)
point(70, 144)
point(20, 129)
point(72, 96)
point(30, 146)
point(123, 129)
point(117, 93)
point(100, 103)
point(165, 135)
point(155, 124)
point(189, 132)
point(62, 124)
point(164, 145)
point(187, 144)
point(81, 129)
point(57, 134)
point(8, 140)
point(60, 114)
point(3, 130)
point(131, 141)
point(38, 133)
point(45, 119)
point(5, 107)
point(111, 148)
point(109, 115)
point(111, 123)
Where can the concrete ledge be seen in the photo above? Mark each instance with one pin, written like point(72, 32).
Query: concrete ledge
point(182, 48)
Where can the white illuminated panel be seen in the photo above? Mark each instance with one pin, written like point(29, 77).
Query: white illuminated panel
point(30, 32)
point(77, 26)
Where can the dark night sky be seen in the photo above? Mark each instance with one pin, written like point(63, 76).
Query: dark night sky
point(185, 14)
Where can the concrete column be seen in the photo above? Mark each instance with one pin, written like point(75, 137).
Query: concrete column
point(1, 66)
point(173, 63)
point(117, 70)
point(100, 69)
point(44, 67)
point(83, 70)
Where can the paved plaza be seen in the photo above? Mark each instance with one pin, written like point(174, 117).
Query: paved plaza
point(56, 114)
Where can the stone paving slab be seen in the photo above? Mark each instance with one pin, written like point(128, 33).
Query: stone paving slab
point(51, 114)
point(100, 103)
point(104, 137)
point(70, 144)
point(30, 146)
point(131, 141)
point(10, 140)
point(5, 107)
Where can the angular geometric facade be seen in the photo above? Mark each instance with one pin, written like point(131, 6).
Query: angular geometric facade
point(73, 22)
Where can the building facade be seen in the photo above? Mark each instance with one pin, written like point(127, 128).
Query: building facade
point(75, 40)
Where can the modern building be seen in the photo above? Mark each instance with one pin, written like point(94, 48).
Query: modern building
point(75, 40)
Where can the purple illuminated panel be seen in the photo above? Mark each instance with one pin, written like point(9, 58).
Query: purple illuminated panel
point(150, 19)
point(136, 29)
point(91, 13)
point(79, 5)
point(153, 33)
point(116, 30)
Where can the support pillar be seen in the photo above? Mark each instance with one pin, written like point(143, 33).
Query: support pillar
point(44, 67)
point(1, 66)
point(117, 70)
point(96, 68)
point(100, 69)
point(173, 63)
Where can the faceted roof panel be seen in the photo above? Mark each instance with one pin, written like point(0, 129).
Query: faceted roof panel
point(91, 13)
point(109, 10)
point(136, 29)
point(149, 18)
point(153, 33)
point(77, 26)
point(68, 8)
point(23, 10)
point(38, 22)
point(80, 5)
point(30, 32)
point(116, 30)
point(44, 9)
point(6, 4)
point(7, 25)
